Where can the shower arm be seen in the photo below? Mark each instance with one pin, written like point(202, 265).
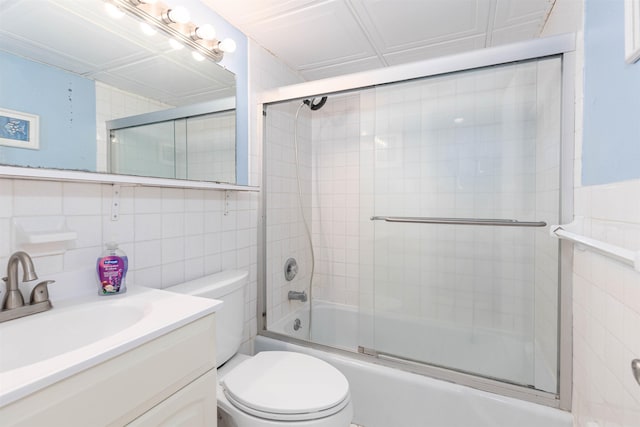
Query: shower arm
point(460, 221)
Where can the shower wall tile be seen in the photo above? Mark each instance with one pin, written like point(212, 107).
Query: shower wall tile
point(336, 159)
point(286, 235)
point(265, 72)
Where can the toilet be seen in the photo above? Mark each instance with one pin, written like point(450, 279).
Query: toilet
point(272, 388)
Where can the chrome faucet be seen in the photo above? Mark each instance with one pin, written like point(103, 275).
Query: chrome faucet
point(13, 305)
point(14, 296)
point(299, 296)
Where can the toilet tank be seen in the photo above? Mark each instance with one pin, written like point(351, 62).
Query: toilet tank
point(229, 287)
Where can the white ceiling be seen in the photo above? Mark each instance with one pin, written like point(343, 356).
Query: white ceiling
point(325, 38)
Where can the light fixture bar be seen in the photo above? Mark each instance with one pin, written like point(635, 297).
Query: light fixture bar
point(126, 5)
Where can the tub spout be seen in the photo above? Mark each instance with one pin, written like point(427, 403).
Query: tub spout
point(298, 296)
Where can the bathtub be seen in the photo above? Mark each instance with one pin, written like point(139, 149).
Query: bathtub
point(388, 397)
point(482, 351)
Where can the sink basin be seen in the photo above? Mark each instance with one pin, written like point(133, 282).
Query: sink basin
point(59, 333)
point(76, 334)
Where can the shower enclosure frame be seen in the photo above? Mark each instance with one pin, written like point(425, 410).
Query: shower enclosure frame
point(562, 46)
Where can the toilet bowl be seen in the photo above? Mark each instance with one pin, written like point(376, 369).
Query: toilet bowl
point(272, 388)
point(276, 388)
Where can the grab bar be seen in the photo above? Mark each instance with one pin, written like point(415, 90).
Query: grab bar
point(460, 221)
point(626, 256)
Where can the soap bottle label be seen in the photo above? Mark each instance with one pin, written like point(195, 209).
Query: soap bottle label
point(111, 272)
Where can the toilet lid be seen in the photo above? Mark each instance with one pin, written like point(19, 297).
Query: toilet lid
point(286, 386)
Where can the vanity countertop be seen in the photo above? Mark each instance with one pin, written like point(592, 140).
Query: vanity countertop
point(79, 333)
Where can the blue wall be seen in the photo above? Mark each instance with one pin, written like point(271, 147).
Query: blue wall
point(66, 104)
point(611, 141)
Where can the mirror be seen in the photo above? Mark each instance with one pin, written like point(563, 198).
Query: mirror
point(68, 68)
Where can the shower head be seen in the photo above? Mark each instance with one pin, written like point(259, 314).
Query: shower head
point(315, 105)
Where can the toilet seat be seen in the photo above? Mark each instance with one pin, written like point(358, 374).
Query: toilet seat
point(286, 386)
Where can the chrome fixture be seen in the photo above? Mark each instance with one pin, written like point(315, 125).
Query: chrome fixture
point(290, 269)
point(14, 296)
point(297, 296)
point(297, 324)
point(635, 368)
point(175, 22)
point(13, 305)
point(460, 221)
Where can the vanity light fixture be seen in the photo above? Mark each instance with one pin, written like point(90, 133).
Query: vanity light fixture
point(147, 29)
point(175, 22)
point(113, 10)
point(175, 44)
point(177, 15)
point(227, 45)
point(204, 32)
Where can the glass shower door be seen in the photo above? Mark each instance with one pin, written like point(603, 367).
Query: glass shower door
point(466, 178)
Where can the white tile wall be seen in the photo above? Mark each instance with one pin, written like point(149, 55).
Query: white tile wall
point(606, 305)
point(170, 235)
point(606, 294)
point(286, 235)
point(283, 240)
point(265, 72)
point(336, 185)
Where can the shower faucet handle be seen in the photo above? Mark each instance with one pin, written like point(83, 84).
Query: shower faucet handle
point(290, 269)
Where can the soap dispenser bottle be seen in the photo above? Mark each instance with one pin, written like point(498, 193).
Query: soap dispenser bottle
point(112, 270)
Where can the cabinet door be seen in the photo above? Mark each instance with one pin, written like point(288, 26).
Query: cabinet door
point(193, 406)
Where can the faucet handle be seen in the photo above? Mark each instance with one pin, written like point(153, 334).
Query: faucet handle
point(40, 292)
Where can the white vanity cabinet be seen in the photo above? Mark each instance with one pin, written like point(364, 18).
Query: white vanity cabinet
point(170, 380)
point(194, 405)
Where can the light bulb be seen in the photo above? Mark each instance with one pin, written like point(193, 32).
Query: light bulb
point(147, 29)
point(113, 10)
point(178, 15)
point(227, 45)
point(205, 32)
point(175, 44)
point(197, 56)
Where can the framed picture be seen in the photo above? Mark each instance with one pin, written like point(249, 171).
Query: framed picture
point(631, 30)
point(19, 129)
